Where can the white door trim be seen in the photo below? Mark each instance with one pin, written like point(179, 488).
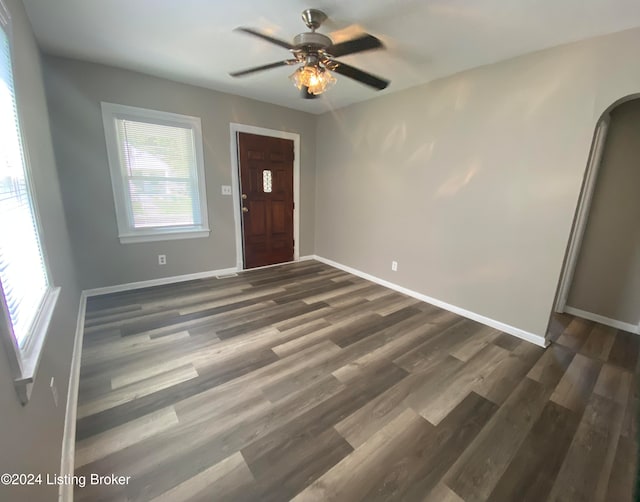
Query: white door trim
point(235, 184)
point(582, 213)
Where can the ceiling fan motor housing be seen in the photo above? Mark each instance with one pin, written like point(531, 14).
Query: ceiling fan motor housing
point(313, 40)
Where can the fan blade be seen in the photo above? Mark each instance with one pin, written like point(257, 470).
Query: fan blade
point(364, 43)
point(248, 71)
point(266, 37)
point(359, 75)
point(304, 92)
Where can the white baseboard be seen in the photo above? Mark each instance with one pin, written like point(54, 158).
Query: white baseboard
point(130, 286)
point(512, 330)
point(119, 288)
point(67, 462)
point(625, 326)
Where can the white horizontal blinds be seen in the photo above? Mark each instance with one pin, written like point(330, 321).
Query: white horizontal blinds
point(22, 270)
point(160, 174)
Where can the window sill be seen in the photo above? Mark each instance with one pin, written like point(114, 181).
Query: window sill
point(29, 357)
point(164, 236)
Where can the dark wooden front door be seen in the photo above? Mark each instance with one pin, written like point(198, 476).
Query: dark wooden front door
point(266, 185)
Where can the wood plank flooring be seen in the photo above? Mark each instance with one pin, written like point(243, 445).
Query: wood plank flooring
point(302, 382)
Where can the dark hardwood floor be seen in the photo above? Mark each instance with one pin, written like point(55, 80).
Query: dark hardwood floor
point(304, 382)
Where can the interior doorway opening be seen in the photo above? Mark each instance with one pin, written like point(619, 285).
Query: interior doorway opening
point(600, 280)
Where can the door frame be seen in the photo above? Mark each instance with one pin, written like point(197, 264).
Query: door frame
point(234, 129)
point(582, 212)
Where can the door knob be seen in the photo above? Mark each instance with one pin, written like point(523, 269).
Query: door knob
point(245, 209)
point(244, 196)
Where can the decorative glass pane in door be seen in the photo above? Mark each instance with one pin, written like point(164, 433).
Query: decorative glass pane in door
point(266, 181)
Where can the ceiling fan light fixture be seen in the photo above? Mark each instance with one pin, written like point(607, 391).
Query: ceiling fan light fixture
point(314, 77)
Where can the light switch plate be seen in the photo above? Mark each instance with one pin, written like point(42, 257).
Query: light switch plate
point(226, 189)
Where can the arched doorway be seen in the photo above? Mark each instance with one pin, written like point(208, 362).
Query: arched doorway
point(600, 280)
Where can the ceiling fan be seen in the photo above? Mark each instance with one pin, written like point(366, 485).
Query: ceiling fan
point(316, 53)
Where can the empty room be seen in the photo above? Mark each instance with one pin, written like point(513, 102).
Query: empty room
point(333, 251)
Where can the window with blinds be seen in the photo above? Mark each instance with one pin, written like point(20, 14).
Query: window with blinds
point(22, 268)
point(157, 173)
point(27, 299)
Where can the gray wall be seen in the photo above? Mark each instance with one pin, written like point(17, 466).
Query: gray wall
point(470, 182)
point(75, 90)
point(31, 436)
point(607, 275)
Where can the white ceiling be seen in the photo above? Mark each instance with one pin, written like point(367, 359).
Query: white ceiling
point(192, 40)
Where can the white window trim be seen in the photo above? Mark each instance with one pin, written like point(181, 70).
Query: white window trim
point(126, 234)
point(24, 362)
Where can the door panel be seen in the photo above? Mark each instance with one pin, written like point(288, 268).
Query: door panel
point(257, 222)
point(266, 182)
point(255, 155)
point(278, 218)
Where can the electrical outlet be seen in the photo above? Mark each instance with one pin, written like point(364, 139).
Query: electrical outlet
point(394, 266)
point(226, 189)
point(54, 391)
point(162, 259)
